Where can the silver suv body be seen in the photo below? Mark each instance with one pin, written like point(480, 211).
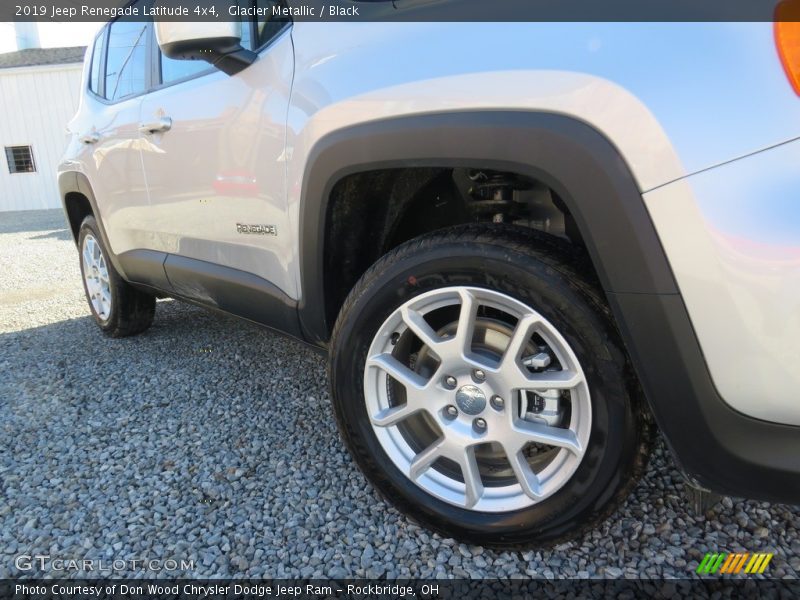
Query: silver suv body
point(269, 184)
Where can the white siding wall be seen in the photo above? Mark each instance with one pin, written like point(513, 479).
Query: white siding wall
point(35, 105)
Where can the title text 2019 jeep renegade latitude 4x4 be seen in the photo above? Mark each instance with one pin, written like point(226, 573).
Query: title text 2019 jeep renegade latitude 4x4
point(517, 253)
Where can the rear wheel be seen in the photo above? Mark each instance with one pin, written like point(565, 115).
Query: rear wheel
point(489, 397)
point(118, 308)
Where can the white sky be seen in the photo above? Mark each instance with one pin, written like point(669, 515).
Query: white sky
point(51, 35)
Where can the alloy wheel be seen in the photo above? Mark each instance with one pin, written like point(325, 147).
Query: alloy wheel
point(478, 399)
point(95, 276)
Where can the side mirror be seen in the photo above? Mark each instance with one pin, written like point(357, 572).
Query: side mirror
point(219, 43)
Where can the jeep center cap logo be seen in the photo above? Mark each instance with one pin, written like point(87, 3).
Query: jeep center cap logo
point(471, 400)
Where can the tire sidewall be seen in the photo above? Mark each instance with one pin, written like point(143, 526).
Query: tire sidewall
point(579, 318)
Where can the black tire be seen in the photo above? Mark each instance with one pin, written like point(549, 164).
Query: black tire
point(132, 311)
point(546, 275)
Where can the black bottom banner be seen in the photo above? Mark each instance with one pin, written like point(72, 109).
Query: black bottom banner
point(445, 589)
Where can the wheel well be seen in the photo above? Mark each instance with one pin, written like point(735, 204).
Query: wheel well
point(369, 213)
point(78, 208)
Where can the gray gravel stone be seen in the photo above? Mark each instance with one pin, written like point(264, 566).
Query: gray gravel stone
point(211, 440)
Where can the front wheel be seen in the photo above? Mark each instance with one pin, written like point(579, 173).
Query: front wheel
point(479, 381)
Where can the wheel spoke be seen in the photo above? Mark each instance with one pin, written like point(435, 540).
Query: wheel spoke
point(528, 480)
point(393, 415)
point(398, 371)
point(87, 258)
point(425, 459)
point(416, 323)
point(472, 477)
point(549, 380)
point(519, 339)
point(466, 322)
point(549, 436)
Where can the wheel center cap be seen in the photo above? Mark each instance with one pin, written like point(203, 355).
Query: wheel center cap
point(471, 400)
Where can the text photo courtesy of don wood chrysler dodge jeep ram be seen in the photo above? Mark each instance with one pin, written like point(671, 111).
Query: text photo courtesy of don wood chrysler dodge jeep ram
point(521, 256)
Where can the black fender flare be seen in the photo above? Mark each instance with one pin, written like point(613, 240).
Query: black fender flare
point(70, 182)
point(570, 156)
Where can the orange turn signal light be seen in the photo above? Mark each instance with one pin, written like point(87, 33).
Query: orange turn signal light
point(787, 39)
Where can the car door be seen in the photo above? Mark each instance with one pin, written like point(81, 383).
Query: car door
point(213, 154)
point(108, 129)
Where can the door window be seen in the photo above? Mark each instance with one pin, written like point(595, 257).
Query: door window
point(173, 70)
point(255, 34)
point(126, 60)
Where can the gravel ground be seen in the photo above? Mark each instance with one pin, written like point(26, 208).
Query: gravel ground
point(211, 440)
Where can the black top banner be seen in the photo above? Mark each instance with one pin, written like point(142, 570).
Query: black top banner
point(404, 10)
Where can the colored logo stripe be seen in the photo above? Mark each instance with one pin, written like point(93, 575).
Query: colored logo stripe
point(758, 563)
point(732, 564)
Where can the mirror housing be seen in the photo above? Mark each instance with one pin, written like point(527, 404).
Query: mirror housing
point(218, 43)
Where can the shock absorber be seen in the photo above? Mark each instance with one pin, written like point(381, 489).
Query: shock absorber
point(492, 185)
point(493, 192)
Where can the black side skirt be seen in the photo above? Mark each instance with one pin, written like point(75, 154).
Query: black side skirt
point(213, 286)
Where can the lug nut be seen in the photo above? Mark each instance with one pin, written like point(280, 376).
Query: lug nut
point(478, 375)
point(479, 425)
point(498, 403)
point(450, 382)
point(451, 411)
